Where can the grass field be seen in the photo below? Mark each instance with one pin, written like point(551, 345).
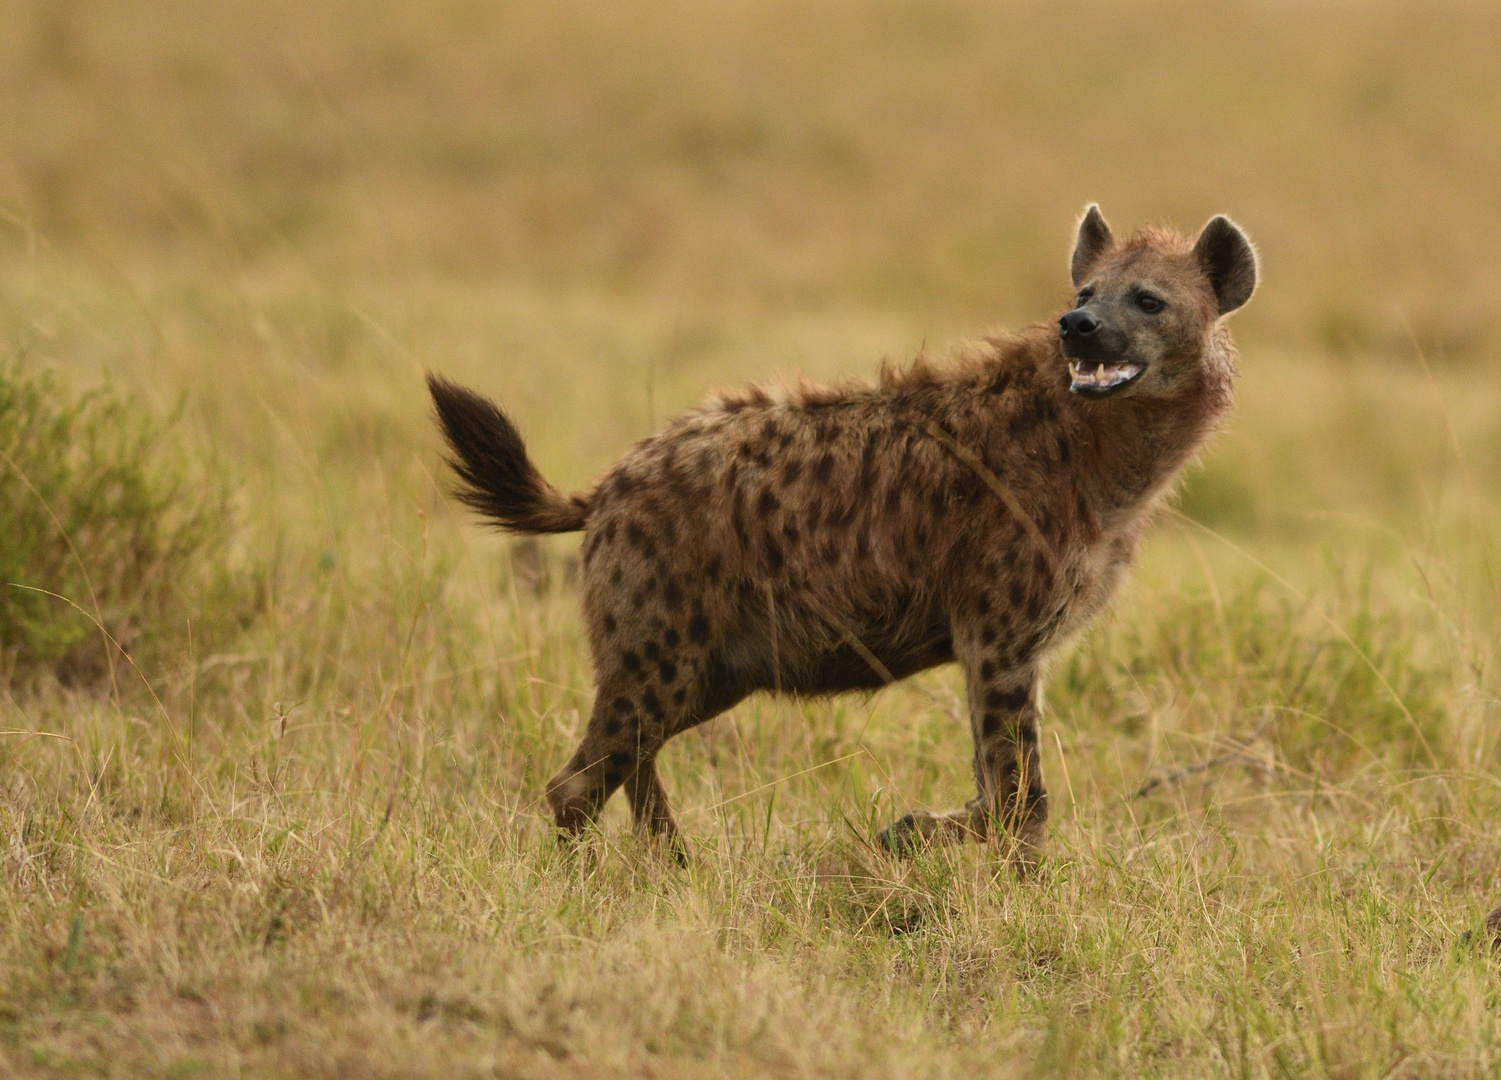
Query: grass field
point(298, 831)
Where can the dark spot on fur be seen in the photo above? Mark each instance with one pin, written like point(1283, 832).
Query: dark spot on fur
point(679, 696)
point(824, 469)
point(653, 652)
point(982, 604)
point(791, 471)
point(616, 576)
point(623, 483)
point(671, 638)
point(652, 704)
point(713, 569)
point(672, 594)
point(987, 670)
point(609, 624)
point(768, 429)
point(668, 671)
point(1017, 595)
point(1002, 381)
point(1009, 700)
point(698, 628)
point(622, 704)
point(988, 635)
point(638, 538)
point(737, 519)
point(775, 560)
point(893, 499)
point(868, 459)
point(768, 502)
point(815, 512)
point(789, 533)
point(1064, 451)
point(630, 661)
point(991, 725)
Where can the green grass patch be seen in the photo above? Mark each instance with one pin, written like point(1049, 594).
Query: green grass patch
point(117, 544)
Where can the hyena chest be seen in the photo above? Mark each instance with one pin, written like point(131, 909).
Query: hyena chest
point(1098, 572)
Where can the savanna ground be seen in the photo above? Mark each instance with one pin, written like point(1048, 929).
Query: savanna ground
point(292, 825)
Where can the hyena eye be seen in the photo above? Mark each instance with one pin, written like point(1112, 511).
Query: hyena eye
point(1149, 303)
point(1084, 297)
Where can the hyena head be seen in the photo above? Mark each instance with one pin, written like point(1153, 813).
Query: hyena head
point(1145, 321)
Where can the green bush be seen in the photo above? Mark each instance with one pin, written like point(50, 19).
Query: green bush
point(114, 521)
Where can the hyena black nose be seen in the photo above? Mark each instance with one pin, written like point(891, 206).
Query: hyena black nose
point(1078, 324)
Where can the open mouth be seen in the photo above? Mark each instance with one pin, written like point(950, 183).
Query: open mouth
point(1094, 378)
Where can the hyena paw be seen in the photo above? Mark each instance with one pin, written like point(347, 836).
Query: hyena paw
point(919, 829)
point(902, 836)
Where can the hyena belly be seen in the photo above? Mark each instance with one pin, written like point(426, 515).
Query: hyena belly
point(804, 650)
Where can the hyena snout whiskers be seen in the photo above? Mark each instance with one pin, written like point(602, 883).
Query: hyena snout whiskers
point(816, 539)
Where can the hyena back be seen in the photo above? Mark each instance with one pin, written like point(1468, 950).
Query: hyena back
point(817, 539)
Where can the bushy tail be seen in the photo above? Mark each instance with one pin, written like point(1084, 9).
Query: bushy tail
point(498, 479)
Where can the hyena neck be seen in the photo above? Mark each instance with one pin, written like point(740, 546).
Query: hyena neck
point(1141, 444)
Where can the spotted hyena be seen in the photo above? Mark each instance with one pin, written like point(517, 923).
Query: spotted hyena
point(816, 539)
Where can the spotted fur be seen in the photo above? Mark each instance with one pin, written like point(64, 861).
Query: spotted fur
point(815, 539)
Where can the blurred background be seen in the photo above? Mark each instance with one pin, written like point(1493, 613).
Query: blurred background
point(607, 207)
point(920, 155)
point(912, 165)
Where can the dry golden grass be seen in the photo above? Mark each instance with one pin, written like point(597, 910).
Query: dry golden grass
point(318, 849)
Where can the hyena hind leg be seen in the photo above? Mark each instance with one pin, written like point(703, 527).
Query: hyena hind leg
point(651, 810)
point(610, 753)
point(627, 727)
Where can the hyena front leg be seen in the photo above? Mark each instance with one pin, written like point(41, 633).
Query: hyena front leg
point(1010, 801)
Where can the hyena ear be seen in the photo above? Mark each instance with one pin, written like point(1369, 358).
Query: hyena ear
point(1095, 238)
point(1229, 260)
